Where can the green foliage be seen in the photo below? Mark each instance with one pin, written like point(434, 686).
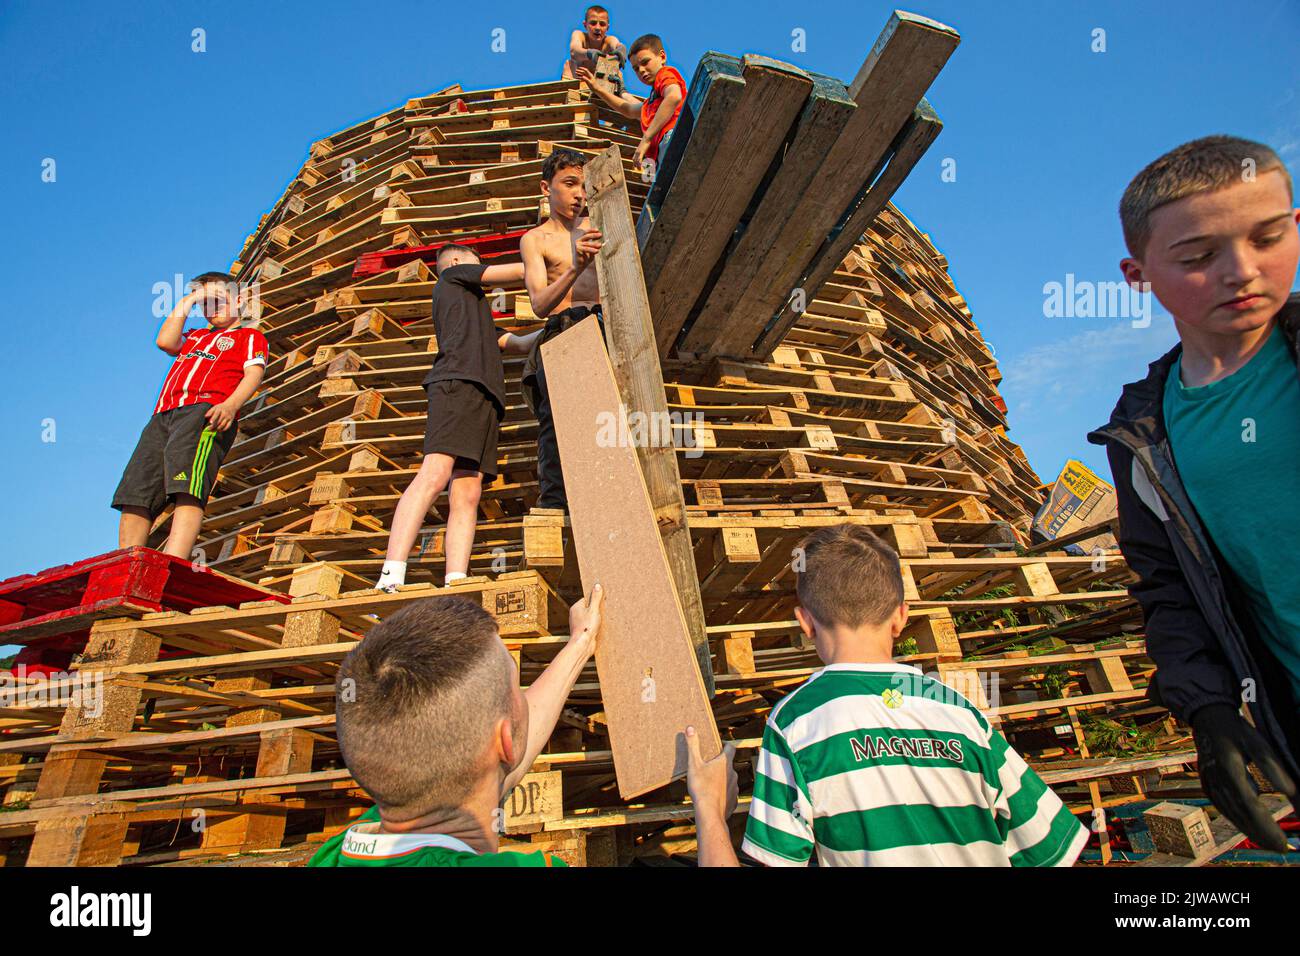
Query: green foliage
point(907, 647)
point(1055, 679)
point(1112, 738)
point(964, 618)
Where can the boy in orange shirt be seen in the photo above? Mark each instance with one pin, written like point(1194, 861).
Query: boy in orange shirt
point(659, 113)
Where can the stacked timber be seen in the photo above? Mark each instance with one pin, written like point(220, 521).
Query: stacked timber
point(874, 402)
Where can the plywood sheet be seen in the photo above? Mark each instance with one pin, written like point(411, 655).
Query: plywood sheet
point(649, 679)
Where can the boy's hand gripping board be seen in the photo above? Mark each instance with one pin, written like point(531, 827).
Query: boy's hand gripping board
point(649, 679)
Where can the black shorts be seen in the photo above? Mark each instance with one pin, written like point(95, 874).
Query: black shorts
point(463, 422)
point(177, 454)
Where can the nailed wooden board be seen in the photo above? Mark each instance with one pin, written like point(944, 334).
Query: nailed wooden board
point(640, 381)
point(649, 680)
point(785, 229)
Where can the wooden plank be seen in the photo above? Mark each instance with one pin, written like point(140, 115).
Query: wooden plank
point(650, 682)
point(640, 380)
point(797, 209)
point(907, 56)
point(908, 149)
point(731, 149)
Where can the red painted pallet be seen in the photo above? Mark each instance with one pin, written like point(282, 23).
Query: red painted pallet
point(123, 583)
point(488, 247)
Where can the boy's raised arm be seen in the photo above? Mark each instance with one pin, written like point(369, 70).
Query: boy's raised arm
point(627, 104)
point(498, 275)
point(713, 788)
point(544, 295)
point(172, 332)
point(547, 694)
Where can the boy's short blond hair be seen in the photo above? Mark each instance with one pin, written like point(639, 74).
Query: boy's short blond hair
point(416, 702)
point(1203, 165)
point(848, 577)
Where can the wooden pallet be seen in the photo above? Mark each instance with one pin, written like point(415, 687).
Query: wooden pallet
point(877, 404)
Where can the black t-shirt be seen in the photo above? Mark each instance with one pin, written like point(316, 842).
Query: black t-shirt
point(467, 336)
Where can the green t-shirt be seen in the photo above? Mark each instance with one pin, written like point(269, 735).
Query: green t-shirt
point(363, 845)
point(1236, 445)
point(881, 765)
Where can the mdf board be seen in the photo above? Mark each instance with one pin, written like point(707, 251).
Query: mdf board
point(649, 680)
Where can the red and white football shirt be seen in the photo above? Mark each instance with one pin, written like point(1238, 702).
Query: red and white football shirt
point(210, 366)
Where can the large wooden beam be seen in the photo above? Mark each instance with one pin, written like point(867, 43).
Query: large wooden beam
point(649, 681)
point(910, 145)
point(781, 239)
point(740, 114)
point(797, 208)
point(632, 351)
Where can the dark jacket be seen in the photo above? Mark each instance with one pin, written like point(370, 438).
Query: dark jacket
point(1197, 632)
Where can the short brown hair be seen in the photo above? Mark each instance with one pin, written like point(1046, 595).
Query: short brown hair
point(1203, 165)
point(446, 251)
point(649, 42)
point(586, 13)
point(559, 159)
point(848, 577)
point(225, 277)
point(416, 701)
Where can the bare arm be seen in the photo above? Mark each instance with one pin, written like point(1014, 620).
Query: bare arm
point(627, 104)
point(672, 96)
point(712, 785)
point(171, 333)
point(499, 275)
point(577, 44)
point(513, 344)
point(547, 694)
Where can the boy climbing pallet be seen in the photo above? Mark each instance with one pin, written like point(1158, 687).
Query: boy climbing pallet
point(466, 389)
point(559, 257)
point(658, 113)
point(594, 40)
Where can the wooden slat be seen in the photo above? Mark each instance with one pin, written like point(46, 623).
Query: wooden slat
point(742, 110)
point(640, 381)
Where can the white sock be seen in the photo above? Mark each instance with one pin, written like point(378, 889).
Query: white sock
point(393, 574)
point(453, 576)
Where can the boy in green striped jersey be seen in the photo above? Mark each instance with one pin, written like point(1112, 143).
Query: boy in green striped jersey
point(433, 726)
point(870, 762)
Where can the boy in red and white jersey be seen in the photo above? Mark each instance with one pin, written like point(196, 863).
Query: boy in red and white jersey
point(216, 370)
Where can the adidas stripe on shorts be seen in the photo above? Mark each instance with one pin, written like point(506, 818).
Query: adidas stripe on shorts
point(178, 454)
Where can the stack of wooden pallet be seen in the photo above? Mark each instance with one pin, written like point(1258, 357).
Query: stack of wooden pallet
point(875, 404)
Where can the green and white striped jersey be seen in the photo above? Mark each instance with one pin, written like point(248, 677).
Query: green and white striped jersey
point(880, 765)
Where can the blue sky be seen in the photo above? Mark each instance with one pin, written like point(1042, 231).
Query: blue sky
point(166, 158)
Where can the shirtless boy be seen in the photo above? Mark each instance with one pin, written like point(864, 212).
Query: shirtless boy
point(594, 39)
point(559, 257)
